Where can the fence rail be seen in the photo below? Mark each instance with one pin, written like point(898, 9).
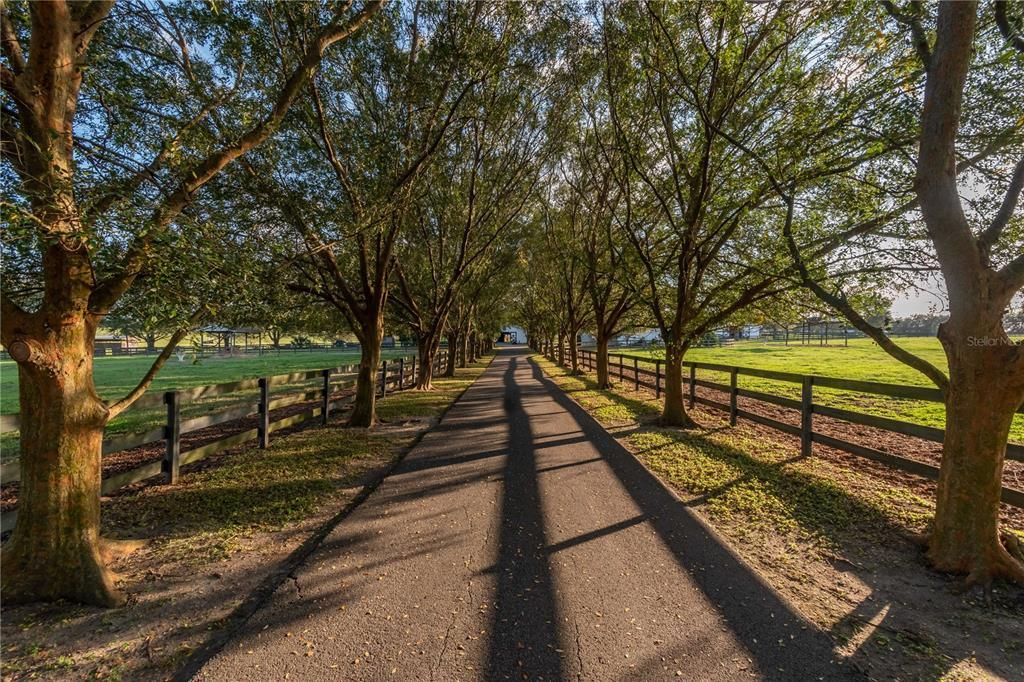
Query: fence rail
point(639, 372)
point(395, 374)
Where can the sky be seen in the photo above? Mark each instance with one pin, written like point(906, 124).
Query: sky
point(919, 301)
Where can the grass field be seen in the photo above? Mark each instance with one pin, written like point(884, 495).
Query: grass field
point(861, 360)
point(116, 376)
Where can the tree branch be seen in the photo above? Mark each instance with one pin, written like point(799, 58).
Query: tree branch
point(840, 303)
point(11, 46)
point(107, 292)
point(991, 235)
point(117, 407)
point(1010, 29)
point(917, 32)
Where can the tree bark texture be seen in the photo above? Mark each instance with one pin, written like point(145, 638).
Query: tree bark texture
point(54, 551)
point(674, 412)
point(364, 408)
point(983, 396)
point(603, 380)
point(454, 341)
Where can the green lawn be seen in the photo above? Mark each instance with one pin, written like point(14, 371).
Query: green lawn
point(116, 376)
point(861, 360)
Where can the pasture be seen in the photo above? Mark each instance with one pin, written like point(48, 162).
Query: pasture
point(862, 360)
point(115, 376)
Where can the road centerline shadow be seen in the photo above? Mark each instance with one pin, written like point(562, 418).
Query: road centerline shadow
point(524, 633)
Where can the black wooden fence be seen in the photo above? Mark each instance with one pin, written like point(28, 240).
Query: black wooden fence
point(394, 374)
point(643, 373)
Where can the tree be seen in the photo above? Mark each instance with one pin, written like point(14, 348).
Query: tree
point(562, 233)
point(969, 73)
point(982, 273)
point(969, 134)
point(693, 203)
point(599, 238)
point(372, 125)
point(478, 185)
point(93, 215)
point(134, 316)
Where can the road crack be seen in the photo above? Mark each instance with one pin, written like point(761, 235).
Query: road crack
point(579, 649)
point(295, 579)
point(455, 611)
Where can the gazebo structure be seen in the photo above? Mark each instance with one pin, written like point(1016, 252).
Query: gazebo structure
point(226, 338)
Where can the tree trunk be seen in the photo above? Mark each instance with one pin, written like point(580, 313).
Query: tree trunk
point(561, 350)
point(151, 343)
point(984, 393)
point(603, 380)
point(453, 351)
point(54, 552)
point(674, 412)
point(574, 353)
point(426, 352)
point(464, 350)
point(364, 409)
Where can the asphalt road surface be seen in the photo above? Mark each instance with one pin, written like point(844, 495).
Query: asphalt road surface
point(519, 541)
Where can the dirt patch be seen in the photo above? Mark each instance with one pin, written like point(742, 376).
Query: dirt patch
point(910, 447)
point(893, 443)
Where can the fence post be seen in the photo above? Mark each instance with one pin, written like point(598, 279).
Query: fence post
point(806, 423)
point(636, 374)
point(413, 372)
point(325, 407)
point(401, 373)
point(657, 379)
point(693, 385)
point(172, 432)
point(264, 427)
point(733, 392)
point(383, 378)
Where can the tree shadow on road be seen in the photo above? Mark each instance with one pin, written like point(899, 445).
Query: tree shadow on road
point(866, 581)
point(777, 638)
point(524, 634)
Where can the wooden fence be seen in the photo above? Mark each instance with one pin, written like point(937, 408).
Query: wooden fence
point(648, 374)
point(394, 374)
